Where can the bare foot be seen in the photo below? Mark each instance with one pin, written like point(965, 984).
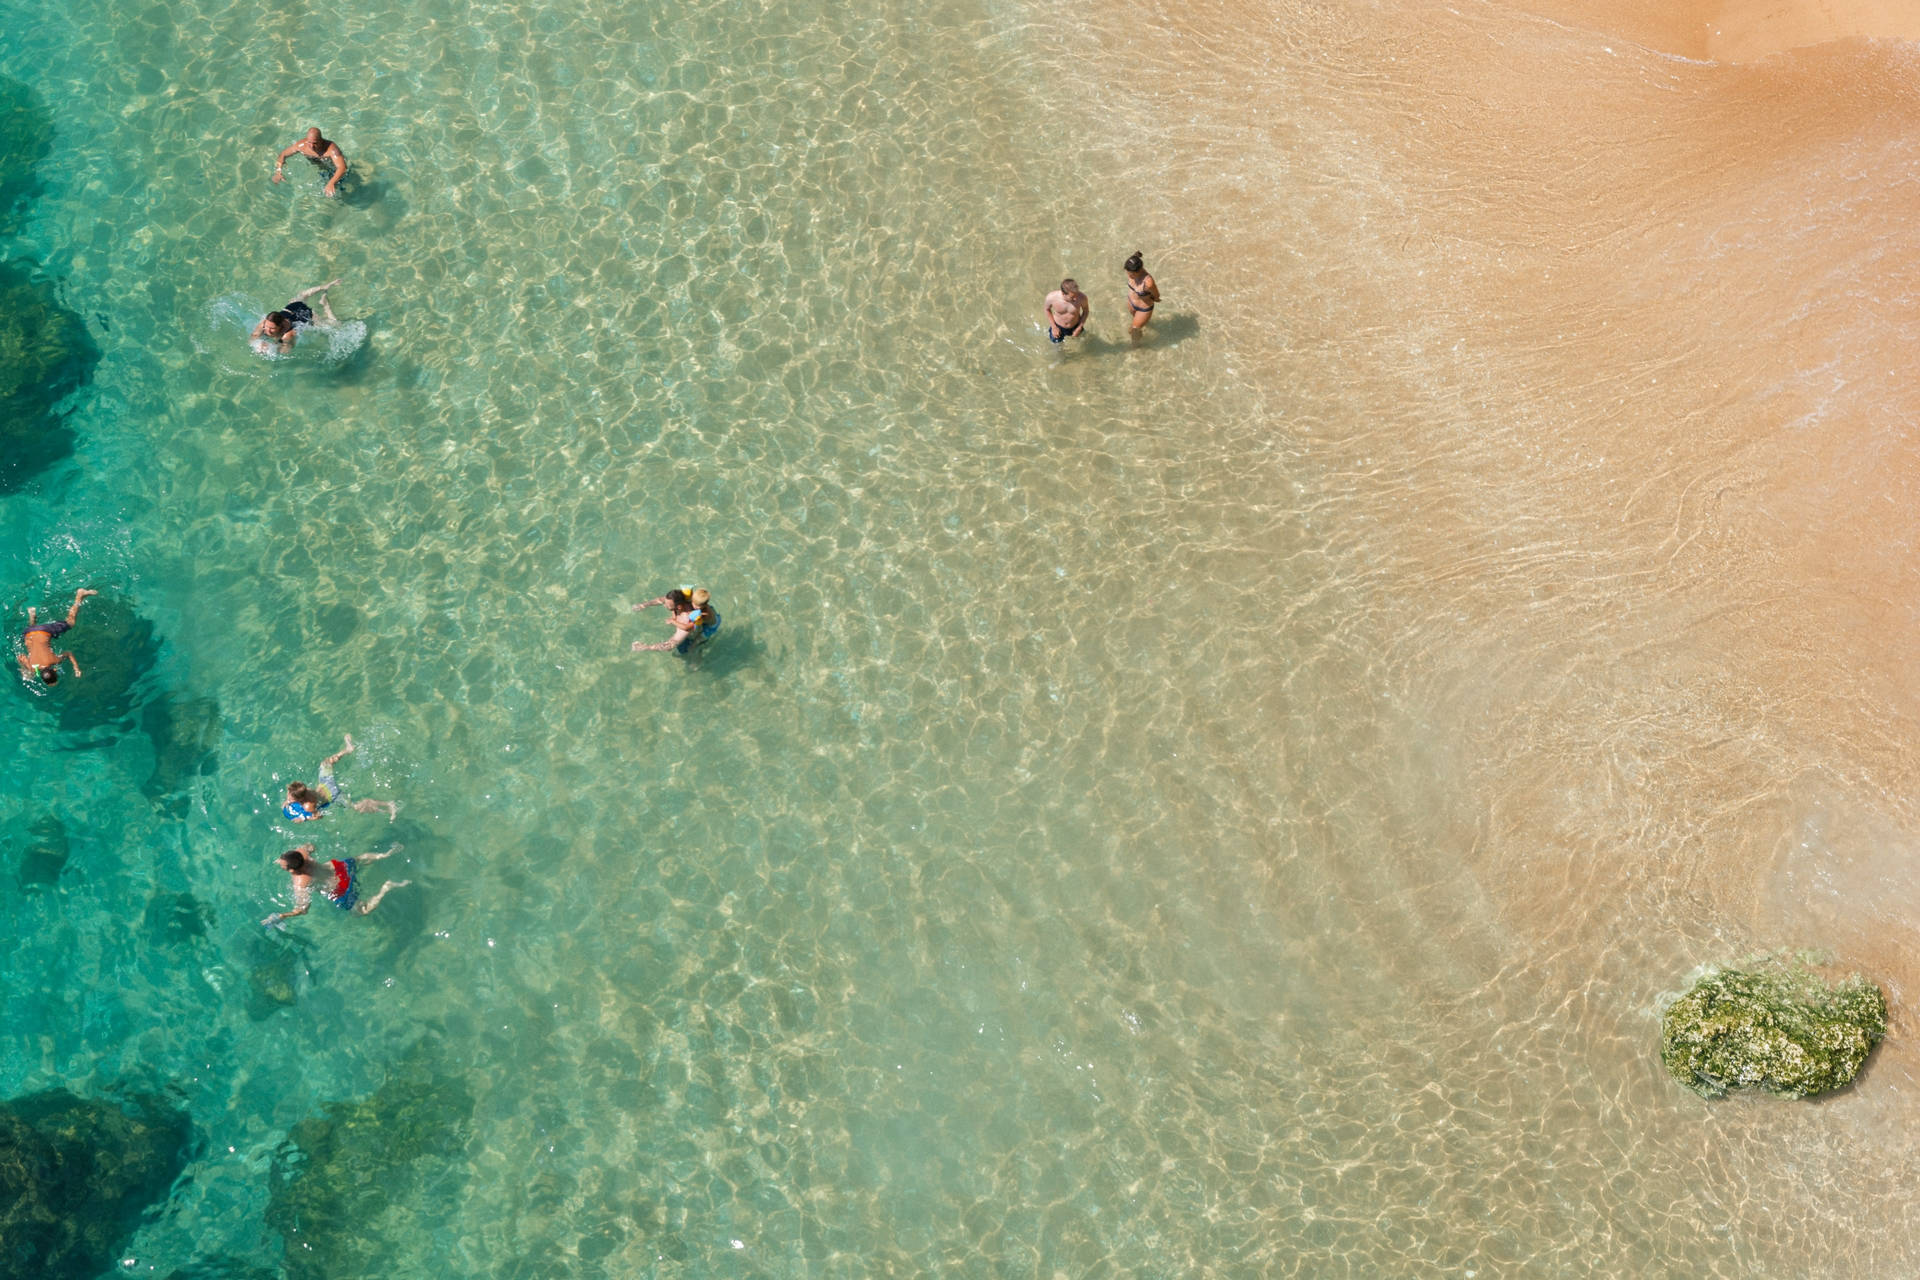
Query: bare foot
point(349, 738)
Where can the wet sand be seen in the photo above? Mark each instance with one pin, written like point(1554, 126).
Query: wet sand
point(1600, 356)
point(1735, 31)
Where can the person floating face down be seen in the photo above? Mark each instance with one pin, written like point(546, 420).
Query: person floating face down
point(40, 659)
point(339, 882)
point(695, 620)
point(305, 803)
point(279, 330)
point(323, 152)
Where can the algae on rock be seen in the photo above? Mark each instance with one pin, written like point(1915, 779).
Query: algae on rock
point(76, 1175)
point(45, 354)
point(345, 1193)
point(1774, 1024)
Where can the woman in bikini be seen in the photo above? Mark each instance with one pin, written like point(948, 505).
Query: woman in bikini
point(1142, 292)
point(278, 330)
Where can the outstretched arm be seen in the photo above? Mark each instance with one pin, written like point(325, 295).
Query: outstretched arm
point(78, 596)
point(302, 899)
point(70, 662)
point(280, 165)
point(339, 171)
point(648, 604)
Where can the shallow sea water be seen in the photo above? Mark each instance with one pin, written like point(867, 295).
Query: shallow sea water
point(1069, 860)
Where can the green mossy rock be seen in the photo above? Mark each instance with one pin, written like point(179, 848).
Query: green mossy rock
point(343, 1192)
point(76, 1175)
point(1773, 1025)
point(45, 353)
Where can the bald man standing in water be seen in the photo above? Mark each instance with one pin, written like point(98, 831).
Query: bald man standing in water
point(322, 151)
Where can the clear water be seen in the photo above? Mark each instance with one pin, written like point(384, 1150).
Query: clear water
point(1062, 864)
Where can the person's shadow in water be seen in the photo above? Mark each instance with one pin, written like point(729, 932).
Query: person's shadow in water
point(383, 206)
point(1163, 332)
point(735, 649)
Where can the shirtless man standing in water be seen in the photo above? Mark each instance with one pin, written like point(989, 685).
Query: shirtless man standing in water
point(322, 151)
point(1067, 309)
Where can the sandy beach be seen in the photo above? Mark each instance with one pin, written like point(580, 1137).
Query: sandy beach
point(1736, 31)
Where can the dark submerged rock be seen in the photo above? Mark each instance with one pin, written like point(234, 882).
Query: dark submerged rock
point(345, 1168)
point(174, 918)
point(1774, 1024)
point(45, 854)
point(75, 1176)
point(26, 137)
point(272, 985)
point(184, 733)
point(45, 354)
point(117, 649)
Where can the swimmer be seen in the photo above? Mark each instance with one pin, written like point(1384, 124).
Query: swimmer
point(305, 803)
point(1066, 309)
point(1142, 292)
point(40, 659)
point(340, 883)
point(695, 621)
point(281, 328)
point(322, 152)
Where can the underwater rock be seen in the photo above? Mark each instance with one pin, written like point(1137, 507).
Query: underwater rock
point(271, 985)
point(46, 853)
point(45, 353)
point(174, 918)
point(75, 1176)
point(184, 733)
point(1773, 1025)
point(354, 1164)
point(26, 137)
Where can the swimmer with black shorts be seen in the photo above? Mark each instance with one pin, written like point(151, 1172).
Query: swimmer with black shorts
point(281, 328)
point(40, 659)
point(1067, 310)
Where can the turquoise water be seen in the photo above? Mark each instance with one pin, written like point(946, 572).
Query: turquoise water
point(827, 943)
point(1054, 869)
